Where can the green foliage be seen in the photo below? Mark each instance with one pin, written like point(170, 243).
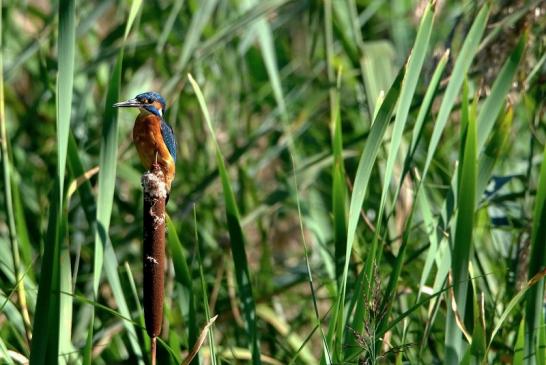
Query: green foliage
point(236, 237)
point(463, 238)
point(340, 196)
point(50, 336)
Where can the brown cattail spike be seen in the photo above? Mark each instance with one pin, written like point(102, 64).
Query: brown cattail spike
point(155, 193)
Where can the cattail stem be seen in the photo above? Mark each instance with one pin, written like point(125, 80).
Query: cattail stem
point(153, 350)
point(153, 252)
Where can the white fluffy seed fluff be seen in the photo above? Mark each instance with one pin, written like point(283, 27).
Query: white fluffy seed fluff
point(154, 185)
point(152, 260)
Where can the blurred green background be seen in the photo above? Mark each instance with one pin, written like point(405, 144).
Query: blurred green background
point(349, 227)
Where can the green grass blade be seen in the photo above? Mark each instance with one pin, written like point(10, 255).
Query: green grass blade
point(65, 80)
point(378, 69)
point(133, 12)
point(464, 60)
point(366, 163)
point(182, 275)
point(409, 84)
point(265, 37)
point(521, 295)
point(537, 261)
point(465, 120)
point(496, 99)
point(478, 346)
point(236, 237)
point(141, 321)
point(541, 354)
point(65, 84)
point(49, 336)
point(21, 227)
point(427, 102)
point(339, 189)
point(210, 332)
point(518, 348)
point(421, 194)
point(66, 350)
point(307, 262)
point(45, 346)
point(182, 272)
point(462, 242)
point(535, 70)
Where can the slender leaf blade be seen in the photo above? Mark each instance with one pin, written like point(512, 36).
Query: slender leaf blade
point(464, 60)
point(496, 99)
point(462, 242)
point(537, 261)
point(50, 336)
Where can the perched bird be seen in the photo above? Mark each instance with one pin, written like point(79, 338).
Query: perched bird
point(152, 136)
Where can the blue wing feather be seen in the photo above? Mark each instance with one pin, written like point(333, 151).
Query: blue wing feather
point(168, 137)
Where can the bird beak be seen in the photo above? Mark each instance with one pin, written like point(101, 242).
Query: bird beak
point(131, 103)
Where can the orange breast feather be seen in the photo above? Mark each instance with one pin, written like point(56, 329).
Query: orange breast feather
point(150, 146)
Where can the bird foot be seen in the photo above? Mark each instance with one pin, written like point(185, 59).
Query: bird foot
point(155, 166)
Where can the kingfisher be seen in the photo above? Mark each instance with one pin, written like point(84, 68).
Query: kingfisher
point(152, 136)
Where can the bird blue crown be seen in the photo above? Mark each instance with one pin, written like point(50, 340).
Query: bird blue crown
point(151, 96)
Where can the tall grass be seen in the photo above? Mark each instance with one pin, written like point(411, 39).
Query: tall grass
point(53, 317)
point(237, 240)
point(366, 180)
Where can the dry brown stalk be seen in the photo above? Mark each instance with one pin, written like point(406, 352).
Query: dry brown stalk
point(199, 341)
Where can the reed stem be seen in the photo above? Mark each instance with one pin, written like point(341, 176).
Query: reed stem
point(153, 350)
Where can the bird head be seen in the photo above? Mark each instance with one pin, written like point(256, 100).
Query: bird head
point(149, 101)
